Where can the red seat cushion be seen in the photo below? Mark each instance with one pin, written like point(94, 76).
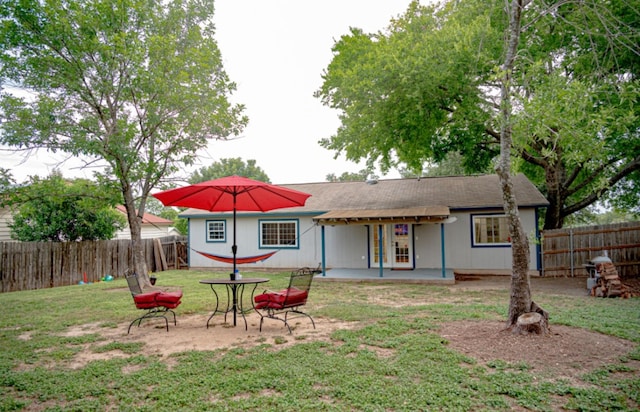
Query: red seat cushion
point(146, 300)
point(169, 300)
point(280, 299)
point(297, 297)
point(276, 297)
point(150, 300)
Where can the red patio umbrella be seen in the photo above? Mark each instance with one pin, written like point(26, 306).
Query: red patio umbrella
point(233, 193)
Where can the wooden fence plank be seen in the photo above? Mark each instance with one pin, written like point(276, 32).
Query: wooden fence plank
point(36, 265)
point(567, 251)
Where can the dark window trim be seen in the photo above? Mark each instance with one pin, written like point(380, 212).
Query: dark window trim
point(472, 230)
point(206, 231)
point(297, 239)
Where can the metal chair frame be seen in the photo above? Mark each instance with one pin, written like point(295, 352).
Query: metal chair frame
point(300, 281)
point(156, 311)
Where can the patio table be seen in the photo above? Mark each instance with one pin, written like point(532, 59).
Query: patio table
point(235, 292)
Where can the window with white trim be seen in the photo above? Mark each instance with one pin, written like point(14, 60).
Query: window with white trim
point(216, 231)
point(490, 230)
point(279, 233)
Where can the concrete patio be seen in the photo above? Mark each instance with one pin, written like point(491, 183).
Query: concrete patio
point(430, 276)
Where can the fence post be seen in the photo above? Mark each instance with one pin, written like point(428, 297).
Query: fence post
point(571, 251)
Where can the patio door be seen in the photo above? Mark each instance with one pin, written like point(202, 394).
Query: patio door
point(397, 245)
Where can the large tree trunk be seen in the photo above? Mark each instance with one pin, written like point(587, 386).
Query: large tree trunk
point(520, 302)
point(134, 218)
point(555, 176)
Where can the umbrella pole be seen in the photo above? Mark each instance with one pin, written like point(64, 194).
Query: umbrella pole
point(234, 250)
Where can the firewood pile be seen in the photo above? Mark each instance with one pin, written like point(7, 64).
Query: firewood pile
point(633, 286)
point(608, 283)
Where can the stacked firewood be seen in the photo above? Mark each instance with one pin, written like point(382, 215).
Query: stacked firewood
point(608, 284)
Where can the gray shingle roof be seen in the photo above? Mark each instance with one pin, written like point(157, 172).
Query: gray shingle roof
point(458, 192)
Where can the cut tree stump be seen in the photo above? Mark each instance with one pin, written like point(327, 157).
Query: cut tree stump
point(532, 323)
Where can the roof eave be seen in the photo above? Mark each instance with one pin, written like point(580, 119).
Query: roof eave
point(380, 220)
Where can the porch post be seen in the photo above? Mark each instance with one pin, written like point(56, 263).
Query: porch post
point(380, 249)
point(444, 271)
point(324, 263)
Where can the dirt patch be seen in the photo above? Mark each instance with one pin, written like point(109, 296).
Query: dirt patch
point(191, 333)
point(567, 352)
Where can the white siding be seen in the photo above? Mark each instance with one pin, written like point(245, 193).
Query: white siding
point(5, 219)
point(347, 246)
point(428, 251)
point(308, 253)
point(148, 232)
point(459, 251)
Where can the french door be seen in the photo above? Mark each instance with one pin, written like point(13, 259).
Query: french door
point(397, 245)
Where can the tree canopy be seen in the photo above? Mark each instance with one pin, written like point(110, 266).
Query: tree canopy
point(60, 210)
point(229, 167)
point(428, 85)
point(360, 176)
point(6, 180)
point(137, 85)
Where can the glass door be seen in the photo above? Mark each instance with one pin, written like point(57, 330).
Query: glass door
point(397, 251)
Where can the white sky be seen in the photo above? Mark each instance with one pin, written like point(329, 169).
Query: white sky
point(275, 50)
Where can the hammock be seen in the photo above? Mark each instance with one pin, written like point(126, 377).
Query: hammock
point(239, 260)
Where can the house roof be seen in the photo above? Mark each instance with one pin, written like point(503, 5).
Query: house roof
point(147, 218)
point(401, 198)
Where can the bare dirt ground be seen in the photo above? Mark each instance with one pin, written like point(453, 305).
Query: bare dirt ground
point(566, 352)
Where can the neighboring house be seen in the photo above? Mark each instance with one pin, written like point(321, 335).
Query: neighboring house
point(5, 219)
point(152, 227)
point(405, 224)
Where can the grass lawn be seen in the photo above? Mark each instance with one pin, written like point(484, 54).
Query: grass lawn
point(392, 360)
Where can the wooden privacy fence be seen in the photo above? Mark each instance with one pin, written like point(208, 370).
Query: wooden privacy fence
point(37, 265)
point(565, 252)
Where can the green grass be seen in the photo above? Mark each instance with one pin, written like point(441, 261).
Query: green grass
point(393, 360)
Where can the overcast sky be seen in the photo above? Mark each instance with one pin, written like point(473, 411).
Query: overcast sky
point(275, 50)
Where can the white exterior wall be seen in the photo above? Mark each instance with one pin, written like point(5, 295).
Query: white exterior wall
point(347, 246)
point(459, 252)
point(148, 232)
point(427, 249)
point(247, 238)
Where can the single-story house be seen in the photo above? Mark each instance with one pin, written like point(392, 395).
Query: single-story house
point(440, 223)
point(151, 227)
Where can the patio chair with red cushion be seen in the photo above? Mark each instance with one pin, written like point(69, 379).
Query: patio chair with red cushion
point(156, 303)
point(278, 305)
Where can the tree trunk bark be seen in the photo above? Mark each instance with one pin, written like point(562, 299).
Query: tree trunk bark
point(134, 218)
point(555, 181)
point(520, 302)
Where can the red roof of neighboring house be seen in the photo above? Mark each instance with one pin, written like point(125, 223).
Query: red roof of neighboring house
point(147, 218)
